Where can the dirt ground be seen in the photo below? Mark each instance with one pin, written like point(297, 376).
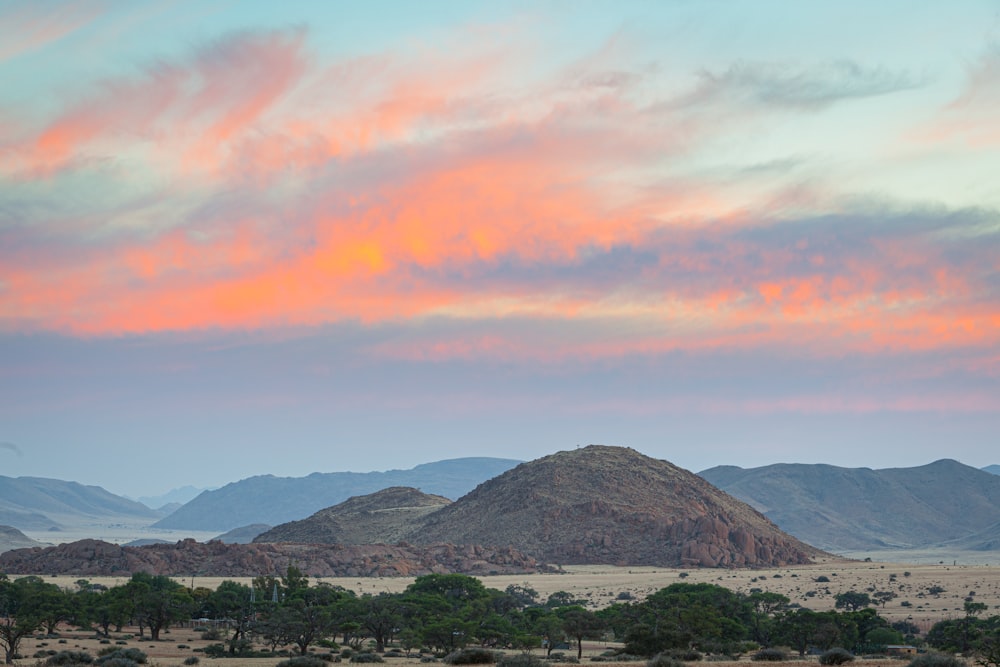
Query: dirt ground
point(178, 644)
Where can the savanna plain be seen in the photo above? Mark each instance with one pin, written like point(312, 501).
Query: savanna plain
point(923, 594)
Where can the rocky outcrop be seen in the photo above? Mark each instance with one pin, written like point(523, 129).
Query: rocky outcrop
point(190, 558)
point(613, 505)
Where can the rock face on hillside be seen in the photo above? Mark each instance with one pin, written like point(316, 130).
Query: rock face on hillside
point(190, 558)
point(613, 505)
point(385, 517)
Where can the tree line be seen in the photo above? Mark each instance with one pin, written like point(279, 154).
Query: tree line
point(445, 612)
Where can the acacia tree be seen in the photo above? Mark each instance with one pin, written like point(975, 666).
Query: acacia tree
point(852, 600)
point(19, 617)
point(580, 624)
point(159, 601)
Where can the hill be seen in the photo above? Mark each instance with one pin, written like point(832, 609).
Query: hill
point(612, 505)
point(276, 500)
point(37, 503)
point(243, 534)
point(851, 509)
point(993, 469)
point(189, 558)
point(12, 538)
point(385, 517)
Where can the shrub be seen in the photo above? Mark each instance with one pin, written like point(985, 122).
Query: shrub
point(69, 658)
point(835, 656)
point(215, 650)
point(133, 655)
point(471, 656)
point(822, 579)
point(191, 660)
point(664, 660)
point(936, 660)
point(211, 635)
point(366, 657)
point(769, 655)
point(519, 660)
point(302, 661)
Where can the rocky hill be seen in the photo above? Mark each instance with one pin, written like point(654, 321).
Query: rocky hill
point(38, 503)
point(851, 509)
point(276, 500)
point(612, 505)
point(190, 558)
point(385, 517)
point(12, 538)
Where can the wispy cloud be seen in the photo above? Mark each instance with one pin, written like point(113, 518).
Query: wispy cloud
point(11, 447)
point(277, 190)
point(799, 87)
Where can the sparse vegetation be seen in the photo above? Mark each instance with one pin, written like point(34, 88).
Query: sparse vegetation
point(471, 656)
point(836, 656)
point(769, 655)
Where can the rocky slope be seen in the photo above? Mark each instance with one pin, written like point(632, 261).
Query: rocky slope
point(187, 558)
point(276, 500)
point(613, 505)
point(385, 517)
point(852, 509)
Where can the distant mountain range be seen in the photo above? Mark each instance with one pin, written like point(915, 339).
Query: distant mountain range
point(590, 505)
point(275, 500)
point(174, 497)
point(38, 503)
point(850, 509)
point(944, 504)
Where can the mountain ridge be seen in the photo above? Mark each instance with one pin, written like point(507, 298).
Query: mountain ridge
point(853, 509)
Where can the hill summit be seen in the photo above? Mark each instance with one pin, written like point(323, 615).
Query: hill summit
point(612, 505)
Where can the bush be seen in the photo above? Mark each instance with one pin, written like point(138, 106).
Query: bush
point(366, 657)
point(69, 658)
point(302, 661)
point(215, 650)
point(211, 635)
point(836, 656)
point(471, 656)
point(769, 655)
point(192, 660)
point(936, 660)
point(664, 660)
point(519, 660)
point(132, 655)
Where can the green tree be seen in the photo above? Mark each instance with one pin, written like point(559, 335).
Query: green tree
point(852, 600)
point(159, 601)
point(18, 615)
point(580, 624)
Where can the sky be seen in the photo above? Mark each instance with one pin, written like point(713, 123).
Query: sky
point(242, 238)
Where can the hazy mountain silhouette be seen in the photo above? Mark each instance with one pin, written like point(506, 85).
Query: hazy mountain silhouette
point(276, 500)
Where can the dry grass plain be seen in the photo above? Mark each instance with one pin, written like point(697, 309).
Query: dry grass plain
point(601, 585)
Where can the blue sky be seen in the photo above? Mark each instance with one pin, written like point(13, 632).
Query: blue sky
point(248, 238)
